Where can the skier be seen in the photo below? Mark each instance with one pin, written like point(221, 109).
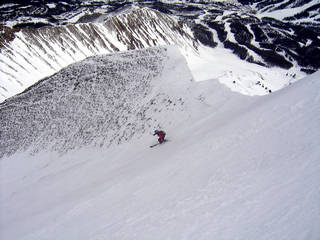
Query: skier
point(161, 134)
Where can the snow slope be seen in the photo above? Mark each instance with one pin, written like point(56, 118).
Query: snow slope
point(235, 167)
point(101, 101)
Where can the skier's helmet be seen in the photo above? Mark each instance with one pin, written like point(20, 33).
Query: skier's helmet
point(156, 131)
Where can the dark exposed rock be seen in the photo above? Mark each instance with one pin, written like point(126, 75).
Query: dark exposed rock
point(7, 34)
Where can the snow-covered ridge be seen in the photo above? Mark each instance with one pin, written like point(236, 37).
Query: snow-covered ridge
point(101, 101)
point(37, 53)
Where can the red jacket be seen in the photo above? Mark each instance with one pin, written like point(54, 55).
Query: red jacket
point(160, 134)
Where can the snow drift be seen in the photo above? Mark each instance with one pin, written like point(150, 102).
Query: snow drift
point(235, 167)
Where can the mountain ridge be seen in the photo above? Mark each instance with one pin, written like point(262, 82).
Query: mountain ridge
point(56, 47)
point(101, 101)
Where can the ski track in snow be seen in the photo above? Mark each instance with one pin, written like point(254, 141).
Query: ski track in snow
point(236, 167)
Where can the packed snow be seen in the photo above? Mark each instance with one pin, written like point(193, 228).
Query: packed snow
point(235, 167)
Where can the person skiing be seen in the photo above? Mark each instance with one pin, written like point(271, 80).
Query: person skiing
point(161, 134)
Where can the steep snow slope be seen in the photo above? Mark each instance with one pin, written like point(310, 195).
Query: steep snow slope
point(235, 167)
point(103, 100)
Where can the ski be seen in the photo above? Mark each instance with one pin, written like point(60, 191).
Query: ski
point(154, 145)
point(158, 143)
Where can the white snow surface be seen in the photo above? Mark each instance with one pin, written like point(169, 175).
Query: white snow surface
point(240, 76)
point(235, 167)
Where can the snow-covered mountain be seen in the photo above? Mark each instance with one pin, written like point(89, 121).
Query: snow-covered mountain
point(262, 44)
point(101, 101)
point(35, 54)
point(235, 167)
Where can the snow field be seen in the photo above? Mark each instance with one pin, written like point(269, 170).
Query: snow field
point(240, 76)
point(236, 167)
